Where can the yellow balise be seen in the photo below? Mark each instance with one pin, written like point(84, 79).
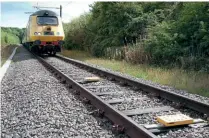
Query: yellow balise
point(44, 32)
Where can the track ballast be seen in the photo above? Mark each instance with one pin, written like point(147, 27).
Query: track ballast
point(129, 104)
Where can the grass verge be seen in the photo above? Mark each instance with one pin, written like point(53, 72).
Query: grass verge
point(6, 51)
point(193, 82)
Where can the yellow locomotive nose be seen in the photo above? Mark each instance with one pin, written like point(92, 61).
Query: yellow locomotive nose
point(49, 34)
point(44, 31)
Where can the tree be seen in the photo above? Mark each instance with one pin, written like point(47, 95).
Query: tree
point(174, 31)
point(11, 35)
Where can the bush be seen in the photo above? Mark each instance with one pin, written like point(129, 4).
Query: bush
point(75, 33)
point(11, 35)
point(161, 45)
point(171, 31)
point(194, 63)
point(8, 38)
point(137, 55)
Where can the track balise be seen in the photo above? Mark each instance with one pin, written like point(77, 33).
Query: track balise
point(130, 109)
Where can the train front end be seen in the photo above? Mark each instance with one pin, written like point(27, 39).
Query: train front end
point(47, 34)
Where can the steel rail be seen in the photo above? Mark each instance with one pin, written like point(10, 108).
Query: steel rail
point(185, 101)
point(133, 129)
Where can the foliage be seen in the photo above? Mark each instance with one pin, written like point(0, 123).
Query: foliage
point(170, 34)
point(182, 40)
point(161, 44)
point(7, 38)
point(10, 35)
point(111, 22)
point(75, 32)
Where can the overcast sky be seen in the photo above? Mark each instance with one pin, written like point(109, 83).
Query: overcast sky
point(13, 13)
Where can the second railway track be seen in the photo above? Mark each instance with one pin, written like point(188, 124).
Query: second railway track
point(129, 104)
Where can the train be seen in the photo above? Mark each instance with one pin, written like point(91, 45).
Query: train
point(44, 33)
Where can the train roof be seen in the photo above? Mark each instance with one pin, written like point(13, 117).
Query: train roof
point(44, 13)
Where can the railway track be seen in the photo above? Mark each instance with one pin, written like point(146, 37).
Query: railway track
point(131, 105)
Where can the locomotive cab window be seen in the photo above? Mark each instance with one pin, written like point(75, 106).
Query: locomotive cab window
point(45, 20)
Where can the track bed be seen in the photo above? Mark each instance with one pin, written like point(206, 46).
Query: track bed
point(130, 101)
point(34, 104)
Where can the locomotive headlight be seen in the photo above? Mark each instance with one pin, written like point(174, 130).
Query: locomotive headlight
point(37, 33)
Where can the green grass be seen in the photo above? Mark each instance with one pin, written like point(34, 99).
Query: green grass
point(193, 82)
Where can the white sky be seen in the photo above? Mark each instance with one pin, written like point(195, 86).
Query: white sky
point(13, 13)
point(70, 9)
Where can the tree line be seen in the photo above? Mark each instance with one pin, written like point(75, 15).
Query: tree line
point(170, 33)
point(11, 35)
